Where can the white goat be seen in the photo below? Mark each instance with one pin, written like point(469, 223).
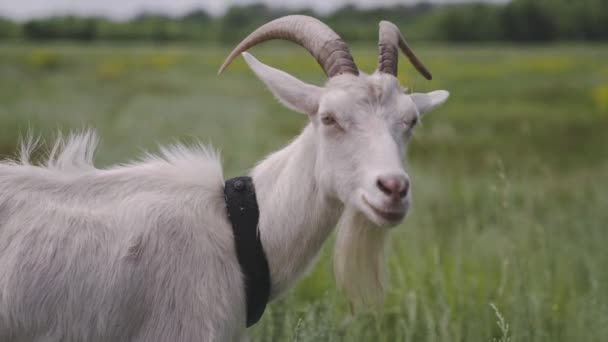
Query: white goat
point(144, 252)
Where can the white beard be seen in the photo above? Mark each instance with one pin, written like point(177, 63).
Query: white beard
point(359, 266)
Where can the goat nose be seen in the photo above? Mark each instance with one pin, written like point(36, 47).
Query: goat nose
point(394, 186)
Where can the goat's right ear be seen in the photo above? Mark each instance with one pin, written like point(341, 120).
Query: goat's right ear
point(291, 92)
point(425, 102)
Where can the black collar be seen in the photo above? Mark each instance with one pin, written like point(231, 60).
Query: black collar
point(244, 214)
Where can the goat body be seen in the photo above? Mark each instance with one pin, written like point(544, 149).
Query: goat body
point(141, 252)
point(145, 252)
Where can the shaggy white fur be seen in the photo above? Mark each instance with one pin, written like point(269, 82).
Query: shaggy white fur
point(359, 259)
point(144, 251)
point(140, 252)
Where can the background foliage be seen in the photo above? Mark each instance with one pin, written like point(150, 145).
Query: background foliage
point(506, 240)
point(516, 21)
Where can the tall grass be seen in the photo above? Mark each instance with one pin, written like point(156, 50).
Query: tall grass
point(506, 240)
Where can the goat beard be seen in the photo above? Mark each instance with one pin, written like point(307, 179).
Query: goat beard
point(359, 253)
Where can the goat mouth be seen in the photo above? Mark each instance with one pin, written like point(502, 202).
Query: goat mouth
point(390, 216)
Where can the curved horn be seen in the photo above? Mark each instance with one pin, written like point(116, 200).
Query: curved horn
point(389, 39)
point(322, 42)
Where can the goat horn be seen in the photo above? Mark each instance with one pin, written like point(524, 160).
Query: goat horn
point(322, 42)
point(389, 38)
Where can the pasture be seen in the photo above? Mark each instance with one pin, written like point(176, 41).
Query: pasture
point(510, 216)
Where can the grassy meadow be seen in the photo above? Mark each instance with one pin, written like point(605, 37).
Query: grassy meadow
point(507, 237)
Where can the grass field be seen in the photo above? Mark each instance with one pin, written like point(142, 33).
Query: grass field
point(510, 176)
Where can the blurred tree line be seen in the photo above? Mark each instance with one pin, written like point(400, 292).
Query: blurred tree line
point(517, 21)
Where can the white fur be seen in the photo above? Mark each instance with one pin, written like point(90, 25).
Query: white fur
point(144, 251)
point(329, 167)
point(141, 252)
point(359, 258)
point(426, 102)
point(294, 94)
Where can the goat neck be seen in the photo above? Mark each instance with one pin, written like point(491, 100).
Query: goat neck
point(296, 214)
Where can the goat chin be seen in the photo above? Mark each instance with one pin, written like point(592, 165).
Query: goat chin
point(359, 265)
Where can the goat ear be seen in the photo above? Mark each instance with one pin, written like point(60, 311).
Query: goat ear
point(291, 92)
point(425, 102)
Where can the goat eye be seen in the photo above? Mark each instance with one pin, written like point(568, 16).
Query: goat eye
point(328, 120)
point(409, 125)
point(413, 123)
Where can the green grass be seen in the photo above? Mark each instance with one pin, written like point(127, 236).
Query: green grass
point(510, 191)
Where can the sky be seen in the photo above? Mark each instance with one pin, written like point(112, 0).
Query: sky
point(124, 9)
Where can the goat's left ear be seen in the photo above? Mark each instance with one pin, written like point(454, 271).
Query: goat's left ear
point(290, 91)
point(428, 101)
